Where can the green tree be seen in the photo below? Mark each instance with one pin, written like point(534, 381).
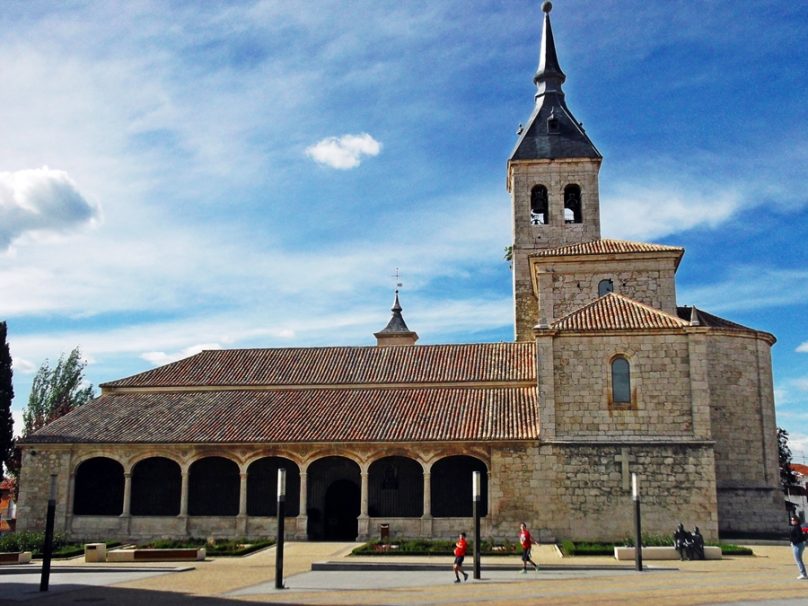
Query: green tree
point(56, 391)
point(6, 396)
point(787, 476)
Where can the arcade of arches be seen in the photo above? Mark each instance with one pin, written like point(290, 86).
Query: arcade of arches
point(331, 497)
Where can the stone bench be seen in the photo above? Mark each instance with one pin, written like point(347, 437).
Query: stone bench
point(711, 552)
point(156, 555)
point(15, 557)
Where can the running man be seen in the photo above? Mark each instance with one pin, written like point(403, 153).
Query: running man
point(526, 540)
point(460, 555)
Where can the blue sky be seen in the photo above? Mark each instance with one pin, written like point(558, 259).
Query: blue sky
point(177, 176)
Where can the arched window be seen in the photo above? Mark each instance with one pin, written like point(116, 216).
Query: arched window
point(395, 488)
point(262, 487)
point(451, 487)
point(605, 286)
point(621, 381)
point(156, 487)
point(99, 488)
point(572, 204)
point(539, 210)
point(213, 487)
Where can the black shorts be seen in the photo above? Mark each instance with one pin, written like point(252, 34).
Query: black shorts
point(525, 554)
point(459, 560)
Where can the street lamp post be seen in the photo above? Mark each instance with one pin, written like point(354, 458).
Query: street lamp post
point(281, 518)
point(635, 495)
point(47, 549)
point(475, 487)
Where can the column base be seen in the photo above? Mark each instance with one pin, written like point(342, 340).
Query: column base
point(426, 527)
point(363, 528)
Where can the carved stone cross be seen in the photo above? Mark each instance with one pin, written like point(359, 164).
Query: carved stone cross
point(622, 458)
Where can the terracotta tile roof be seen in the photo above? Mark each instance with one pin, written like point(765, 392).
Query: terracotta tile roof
point(800, 468)
point(300, 415)
point(607, 247)
point(480, 362)
point(616, 312)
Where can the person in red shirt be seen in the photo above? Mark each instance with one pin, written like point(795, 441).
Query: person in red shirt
point(526, 540)
point(460, 554)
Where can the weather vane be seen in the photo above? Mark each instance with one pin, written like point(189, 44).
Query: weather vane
point(397, 276)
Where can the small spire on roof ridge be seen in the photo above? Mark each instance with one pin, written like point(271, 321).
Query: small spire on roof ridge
point(546, 6)
point(694, 316)
point(396, 332)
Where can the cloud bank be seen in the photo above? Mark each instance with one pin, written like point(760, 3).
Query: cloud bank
point(40, 200)
point(345, 152)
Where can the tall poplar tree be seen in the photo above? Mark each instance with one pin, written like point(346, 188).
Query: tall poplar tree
point(6, 396)
point(56, 391)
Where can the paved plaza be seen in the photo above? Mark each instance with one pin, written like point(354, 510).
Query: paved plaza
point(768, 578)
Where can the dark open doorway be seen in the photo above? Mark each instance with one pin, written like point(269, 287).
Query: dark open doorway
point(341, 511)
point(333, 502)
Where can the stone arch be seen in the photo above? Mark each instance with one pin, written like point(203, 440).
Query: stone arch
point(156, 487)
point(262, 486)
point(395, 487)
point(99, 487)
point(450, 485)
point(213, 487)
point(573, 205)
point(333, 498)
point(539, 205)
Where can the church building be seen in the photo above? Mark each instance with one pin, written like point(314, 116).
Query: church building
point(606, 377)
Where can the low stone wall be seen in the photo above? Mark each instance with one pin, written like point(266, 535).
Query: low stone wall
point(15, 557)
point(711, 552)
point(156, 555)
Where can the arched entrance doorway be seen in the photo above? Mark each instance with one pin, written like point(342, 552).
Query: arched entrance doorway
point(341, 510)
point(333, 499)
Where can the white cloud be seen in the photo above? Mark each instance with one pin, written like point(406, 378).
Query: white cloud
point(801, 384)
point(803, 347)
point(24, 366)
point(158, 358)
point(344, 152)
point(636, 211)
point(751, 287)
point(40, 200)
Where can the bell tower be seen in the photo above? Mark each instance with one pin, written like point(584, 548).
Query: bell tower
point(552, 179)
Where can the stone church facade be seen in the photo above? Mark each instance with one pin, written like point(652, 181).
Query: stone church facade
point(607, 376)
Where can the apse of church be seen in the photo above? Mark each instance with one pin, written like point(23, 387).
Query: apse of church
point(607, 376)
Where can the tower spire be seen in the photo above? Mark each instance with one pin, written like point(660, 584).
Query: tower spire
point(549, 77)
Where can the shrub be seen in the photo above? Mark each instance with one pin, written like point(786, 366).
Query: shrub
point(30, 541)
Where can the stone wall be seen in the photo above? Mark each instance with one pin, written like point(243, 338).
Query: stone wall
point(574, 284)
point(577, 491)
point(582, 491)
point(744, 427)
point(660, 387)
point(555, 175)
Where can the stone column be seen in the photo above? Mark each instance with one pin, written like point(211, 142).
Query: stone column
point(302, 517)
point(241, 519)
point(184, 494)
point(127, 493)
point(242, 494)
point(364, 521)
point(69, 504)
point(184, 500)
point(426, 518)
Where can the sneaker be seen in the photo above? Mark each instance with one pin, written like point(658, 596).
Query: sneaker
point(465, 577)
point(536, 569)
point(523, 571)
point(457, 580)
point(802, 577)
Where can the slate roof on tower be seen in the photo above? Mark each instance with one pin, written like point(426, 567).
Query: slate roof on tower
point(552, 131)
